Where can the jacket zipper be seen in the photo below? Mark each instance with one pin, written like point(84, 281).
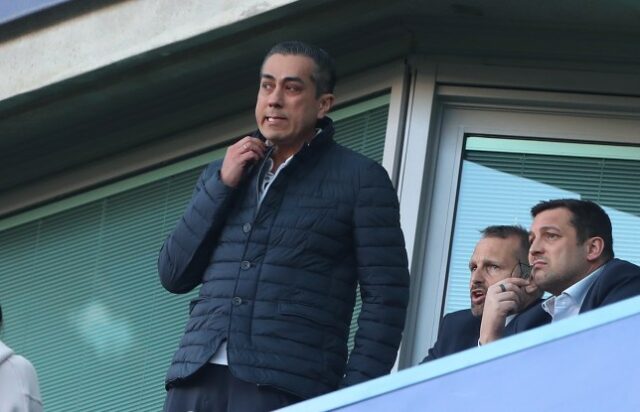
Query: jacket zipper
point(259, 180)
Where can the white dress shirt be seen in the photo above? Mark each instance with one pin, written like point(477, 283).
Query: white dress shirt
point(569, 302)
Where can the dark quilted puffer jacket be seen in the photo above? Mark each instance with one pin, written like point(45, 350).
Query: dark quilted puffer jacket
point(279, 280)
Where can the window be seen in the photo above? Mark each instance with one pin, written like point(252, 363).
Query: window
point(447, 105)
point(80, 290)
point(502, 178)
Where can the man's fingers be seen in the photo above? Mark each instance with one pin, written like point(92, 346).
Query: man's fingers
point(531, 289)
point(513, 284)
point(251, 148)
point(249, 157)
point(509, 296)
point(250, 143)
point(239, 156)
point(517, 281)
point(507, 293)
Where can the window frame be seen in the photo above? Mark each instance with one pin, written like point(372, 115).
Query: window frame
point(388, 80)
point(449, 113)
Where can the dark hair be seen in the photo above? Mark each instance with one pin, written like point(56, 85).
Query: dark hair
point(324, 74)
point(506, 231)
point(587, 218)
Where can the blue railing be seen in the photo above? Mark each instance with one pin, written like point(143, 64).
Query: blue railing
point(587, 363)
point(15, 9)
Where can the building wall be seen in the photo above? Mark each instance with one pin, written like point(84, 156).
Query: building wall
point(109, 34)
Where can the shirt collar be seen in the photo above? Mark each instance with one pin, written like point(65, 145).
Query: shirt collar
point(579, 290)
point(576, 292)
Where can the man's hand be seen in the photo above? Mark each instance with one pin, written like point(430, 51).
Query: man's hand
point(504, 298)
point(239, 157)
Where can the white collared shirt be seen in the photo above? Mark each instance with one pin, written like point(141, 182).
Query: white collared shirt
point(270, 176)
point(569, 302)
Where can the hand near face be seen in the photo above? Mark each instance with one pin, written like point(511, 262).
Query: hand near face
point(504, 298)
point(239, 157)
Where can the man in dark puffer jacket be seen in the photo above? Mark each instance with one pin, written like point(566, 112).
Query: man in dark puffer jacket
point(279, 233)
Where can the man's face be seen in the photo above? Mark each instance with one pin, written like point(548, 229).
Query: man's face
point(287, 107)
point(493, 260)
point(557, 260)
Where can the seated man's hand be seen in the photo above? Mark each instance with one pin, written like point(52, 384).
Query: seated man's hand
point(507, 297)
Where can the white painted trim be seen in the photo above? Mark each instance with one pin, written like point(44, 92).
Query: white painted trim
point(523, 76)
point(546, 147)
point(548, 124)
point(437, 230)
point(541, 101)
point(395, 123)
point(414, 188)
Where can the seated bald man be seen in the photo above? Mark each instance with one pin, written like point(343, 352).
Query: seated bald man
point(501, 253)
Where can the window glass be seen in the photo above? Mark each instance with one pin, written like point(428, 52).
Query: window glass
point(502, 178)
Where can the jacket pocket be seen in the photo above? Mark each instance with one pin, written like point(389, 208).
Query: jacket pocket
point(304, 311)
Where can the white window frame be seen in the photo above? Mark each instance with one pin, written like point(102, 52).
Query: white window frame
point(440, 115)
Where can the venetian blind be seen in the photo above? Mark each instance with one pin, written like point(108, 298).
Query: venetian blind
point(502, 181)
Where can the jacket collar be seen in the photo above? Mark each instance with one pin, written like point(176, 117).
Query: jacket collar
point(322, 139)
point(326, 132)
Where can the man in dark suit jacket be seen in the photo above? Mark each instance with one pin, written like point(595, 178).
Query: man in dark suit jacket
point(572, 258)
point(458, 331)
point(498, 255)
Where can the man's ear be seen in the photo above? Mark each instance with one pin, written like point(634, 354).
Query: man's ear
point(325, 103)
point(595, 247)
